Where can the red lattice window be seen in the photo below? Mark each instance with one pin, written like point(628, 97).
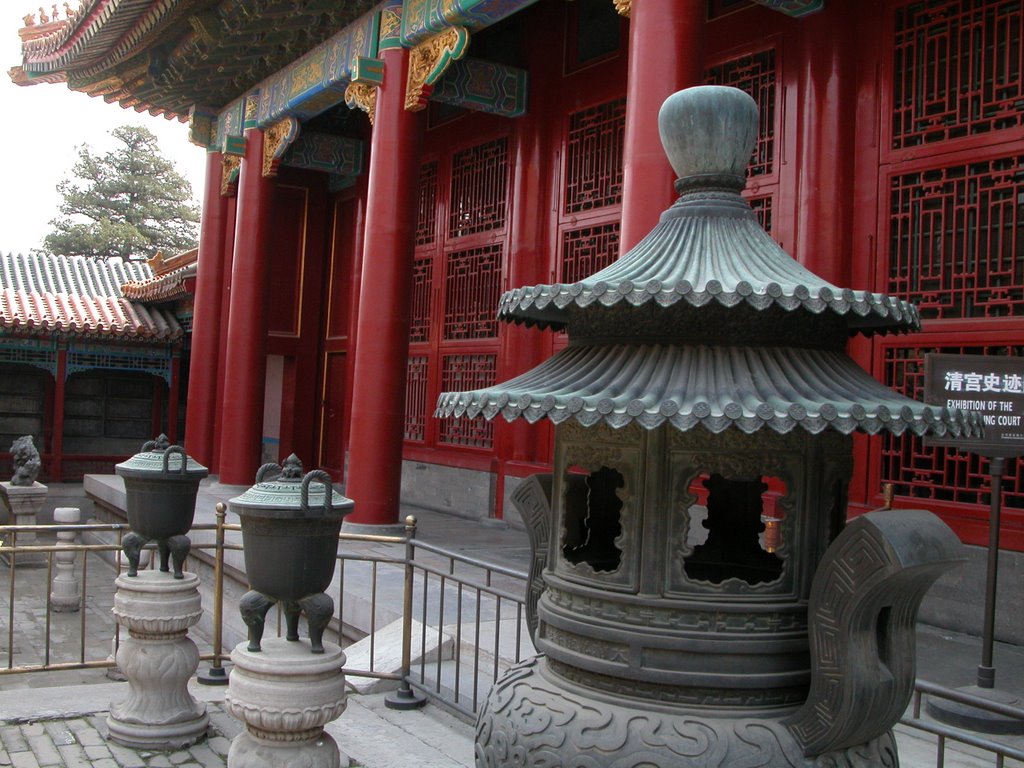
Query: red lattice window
point(585, 251)
point(472, 290)
point(416, 397)
point(426, 205)
point(422, 270)
point(756, 74)
point(593, 174)
point(956, 239)
point(479, 189)
point(763, 210)
point(940, 474)
point(957, 70)
point(460, 373)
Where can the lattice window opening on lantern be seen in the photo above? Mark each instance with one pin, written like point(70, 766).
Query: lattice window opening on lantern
point(932, 473)
point(735, 530)
point(757, 75)
point(593, 518)
point(957, 70)
point(593, 157)
point(956, 239)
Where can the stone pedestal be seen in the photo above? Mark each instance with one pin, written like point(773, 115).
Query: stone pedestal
point(285, 695)
point(157, 657)
point(66, 590)
point(22, 504)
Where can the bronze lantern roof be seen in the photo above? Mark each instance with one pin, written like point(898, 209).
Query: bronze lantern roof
point(707, 320)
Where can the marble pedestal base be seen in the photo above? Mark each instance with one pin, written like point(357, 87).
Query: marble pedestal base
point(285, 695)
point(157, 658)
point(22, 505)
point(534, 718)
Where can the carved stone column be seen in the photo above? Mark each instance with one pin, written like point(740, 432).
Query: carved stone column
point(157, 658)
point(66, 590)
point(285, 695)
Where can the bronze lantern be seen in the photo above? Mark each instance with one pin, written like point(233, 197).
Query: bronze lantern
point(701, 600)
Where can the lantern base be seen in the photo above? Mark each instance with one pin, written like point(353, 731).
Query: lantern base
point(583, 726)
point(157, 658)
point(285, 695)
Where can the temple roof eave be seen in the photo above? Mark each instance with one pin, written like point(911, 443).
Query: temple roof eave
point(748, 388)
point(699, 259)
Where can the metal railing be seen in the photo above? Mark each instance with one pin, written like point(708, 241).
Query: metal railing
point(462, 621)
point(475, 608)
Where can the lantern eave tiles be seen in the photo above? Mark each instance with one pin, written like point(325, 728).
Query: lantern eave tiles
point(707, 321)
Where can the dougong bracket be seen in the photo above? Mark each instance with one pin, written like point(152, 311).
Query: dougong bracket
point(276, 140)
point(429, 60)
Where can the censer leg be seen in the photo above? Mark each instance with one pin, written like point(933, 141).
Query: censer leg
point(291, 617)
point(253, 607)
point(319, 609)
point(180, 547)
point(132, 545)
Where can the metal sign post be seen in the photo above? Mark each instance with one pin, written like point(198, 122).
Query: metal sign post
point(993, 386)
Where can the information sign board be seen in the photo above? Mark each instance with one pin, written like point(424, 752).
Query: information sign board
point(991, 385)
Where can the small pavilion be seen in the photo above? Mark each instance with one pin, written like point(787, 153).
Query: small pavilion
point(91, 356)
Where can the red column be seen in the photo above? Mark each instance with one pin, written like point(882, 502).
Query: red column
point(382, 346)
point(528, 263)
point(666, 41)
point(59, 388)
point(826, 129)
point(173, 389)
point(204, 360)
point(222, 344)
point(245, 365)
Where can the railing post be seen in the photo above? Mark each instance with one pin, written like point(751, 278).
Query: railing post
point(405, 697)
point(217, 674)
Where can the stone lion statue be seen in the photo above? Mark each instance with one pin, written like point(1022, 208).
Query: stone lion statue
point(26, 461)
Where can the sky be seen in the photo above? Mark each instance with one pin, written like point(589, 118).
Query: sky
point(41, 127)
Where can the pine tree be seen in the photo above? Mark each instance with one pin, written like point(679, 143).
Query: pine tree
point(129, 203)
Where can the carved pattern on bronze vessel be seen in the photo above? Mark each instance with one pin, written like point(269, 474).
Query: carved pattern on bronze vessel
point(678, 694)
point(719, 621)
point(586, 646)
point(529, 721)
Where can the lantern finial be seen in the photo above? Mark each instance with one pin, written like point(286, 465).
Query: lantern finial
point(709, 131)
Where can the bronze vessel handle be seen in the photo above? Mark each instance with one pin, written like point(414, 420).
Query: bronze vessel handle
point(323, 477)
point(180, 451)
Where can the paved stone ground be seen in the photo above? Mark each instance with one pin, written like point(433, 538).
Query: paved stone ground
point(81, 742)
